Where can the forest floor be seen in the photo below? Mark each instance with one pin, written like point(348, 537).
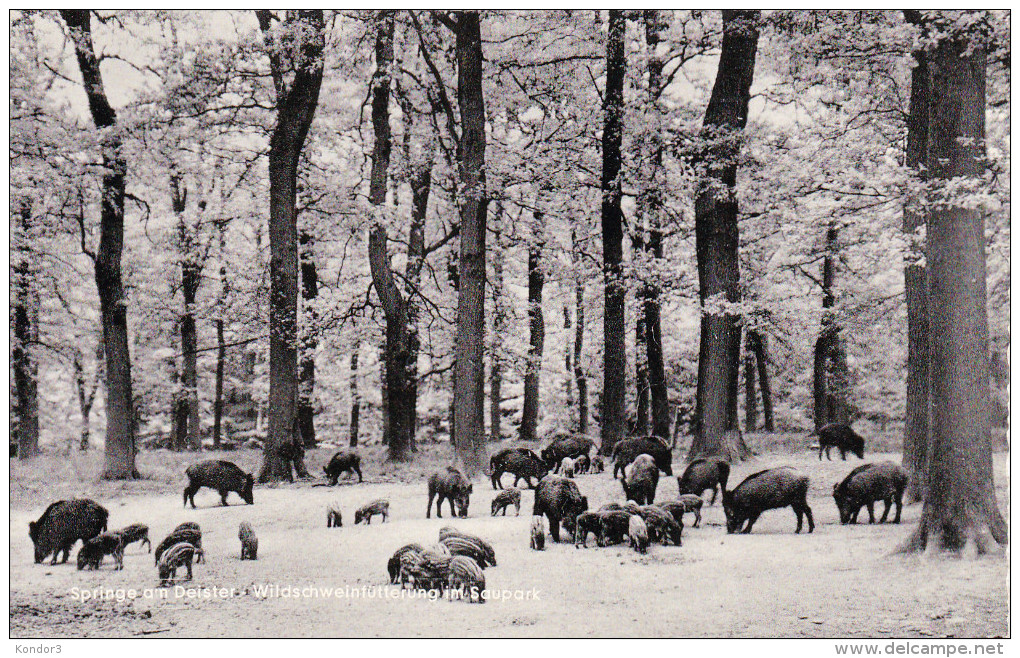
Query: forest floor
point(840, 581)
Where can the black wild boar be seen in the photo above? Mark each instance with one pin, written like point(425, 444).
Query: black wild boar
point(662, 526)
point(884, 481)
point(344, 461)
point(765, 490)
point(64, 523)
point(249, 542)
point(637, 531)
point(582, 465)
point(704, 474)
point(842, 437)
point(560, 500)
point(627, 450)
point(613, 527)
point(366, 512)
point(188, 533)
point(521, 465)
point(393, 565)
point(94, 550)
point(537, 534)
point(587, 522)
point(611, 507)
point(449, 485)
point(640, 479)
point(598, 464)
point(505, 499)
point(223, 476)
point(566, 446)
point(135, 532)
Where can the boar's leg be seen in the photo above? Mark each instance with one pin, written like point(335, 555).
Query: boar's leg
point(453, 510)
point(428, 510)
point(802, 508)
point(885, 513)
point(871, 511)
point(554, 527)
point(223, 497)
point(899, 506)
point(750, 522)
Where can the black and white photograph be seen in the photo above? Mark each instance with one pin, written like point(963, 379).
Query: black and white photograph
point(495, 323)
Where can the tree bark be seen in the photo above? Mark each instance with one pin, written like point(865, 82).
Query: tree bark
point(300, 49)
point(26, 335)
point(191, 278)
point(918, 405)
point(120, 431)
point(750, 389)
point(310, 340)
point(86, 398)
point(568, 368)
point(641, 397)
point(830, 370)
point(469, 389)
point(757, 344)
point(498, 327)
point(536, 345)
point(960, 505)
point(355, 418)
point(221, 348)
point(614, 399)
point(579, 373)
point(718, 241)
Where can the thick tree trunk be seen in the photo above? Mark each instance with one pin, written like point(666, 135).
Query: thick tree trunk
point(310, 341)
point(718, 241)
point(26, 334)
point(918, 406)
point(191, 278)
point(120, 434)
point(469, 389)
point(421, 185)
point(960, 505)
point(614, 398)
point(536, 346)
point(579, 373)
point(355, 418)
point(301, 51)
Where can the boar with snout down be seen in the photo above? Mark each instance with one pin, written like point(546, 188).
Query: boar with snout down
point(868, 484)
point(841, 437)
point(344, 461)
point(63, 524)
point(94, 550)
point(379, 507)
point(223, 476)
point(637, 532)
point(450, 485)
point(505, 499)
point(559, 499)
point(640, 478)
point(765, 490)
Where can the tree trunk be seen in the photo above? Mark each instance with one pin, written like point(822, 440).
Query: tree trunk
point(306, 388)
point(120, 434)
point(221, 347)
point(568, 368)
point(536, 346)
point(26, 334)
point(498, 327)
point(469, 390)
point(831, 379)
point(191, 278)
point(301, 50)
point(756, 343)
point(355, 396)
point(579, 373)
point(960, 505)
point(750, 390)
point(718, 241)
point(640, 348)
point(614, 398)
point(918, 406)
point(86, 398)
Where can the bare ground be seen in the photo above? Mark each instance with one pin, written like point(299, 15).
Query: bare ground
point(838, 581)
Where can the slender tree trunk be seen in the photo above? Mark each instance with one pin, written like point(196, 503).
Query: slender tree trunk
point(355, 396)
point(918, 406)
point(579, 372)
point(757, 344)
point(830, 369)
point(86, 397)
point(120, 435)
point(568, 368)
point(536, 347)
point(959, 505)
point(614, 399)
point(718, 241)
point(750, 390)
point(469, 390)
point(302, 51)
point(640, 347)
point(191, 278)
point(498, 327)
point(26, 334)
point(221, 347)
point(310, 340)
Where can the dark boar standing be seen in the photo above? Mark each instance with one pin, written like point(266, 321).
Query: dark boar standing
point(566, 446)
point(640, 479)
point(223, 476)
point(249, 542)
point(560, 501)
point(765, 490)
point(704, 474)
point(884, 481)
point(521, 465)
point(842, 437)
point(64, 523)
point(627, 450)
point(344, 461)
point(449, 485)
point(94, 550)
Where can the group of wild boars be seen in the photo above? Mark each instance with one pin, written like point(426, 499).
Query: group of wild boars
point(640, 479)
point(765, 490)
point(484, 547)
point(522, 463)
point(134, 532)
point(867, 484)
point(187, 532)
point(841, 437)
point(365, 513)
point(627, 450)
point(223, 476)
point(505, 499)
point(704, 474)
point(94, 550)
point(424, 569)
point(64, 523)
point(558, 499)
point(176, 556)
point(249, 542)
point(344, 461)
point(566, 446)
point(451, 485)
